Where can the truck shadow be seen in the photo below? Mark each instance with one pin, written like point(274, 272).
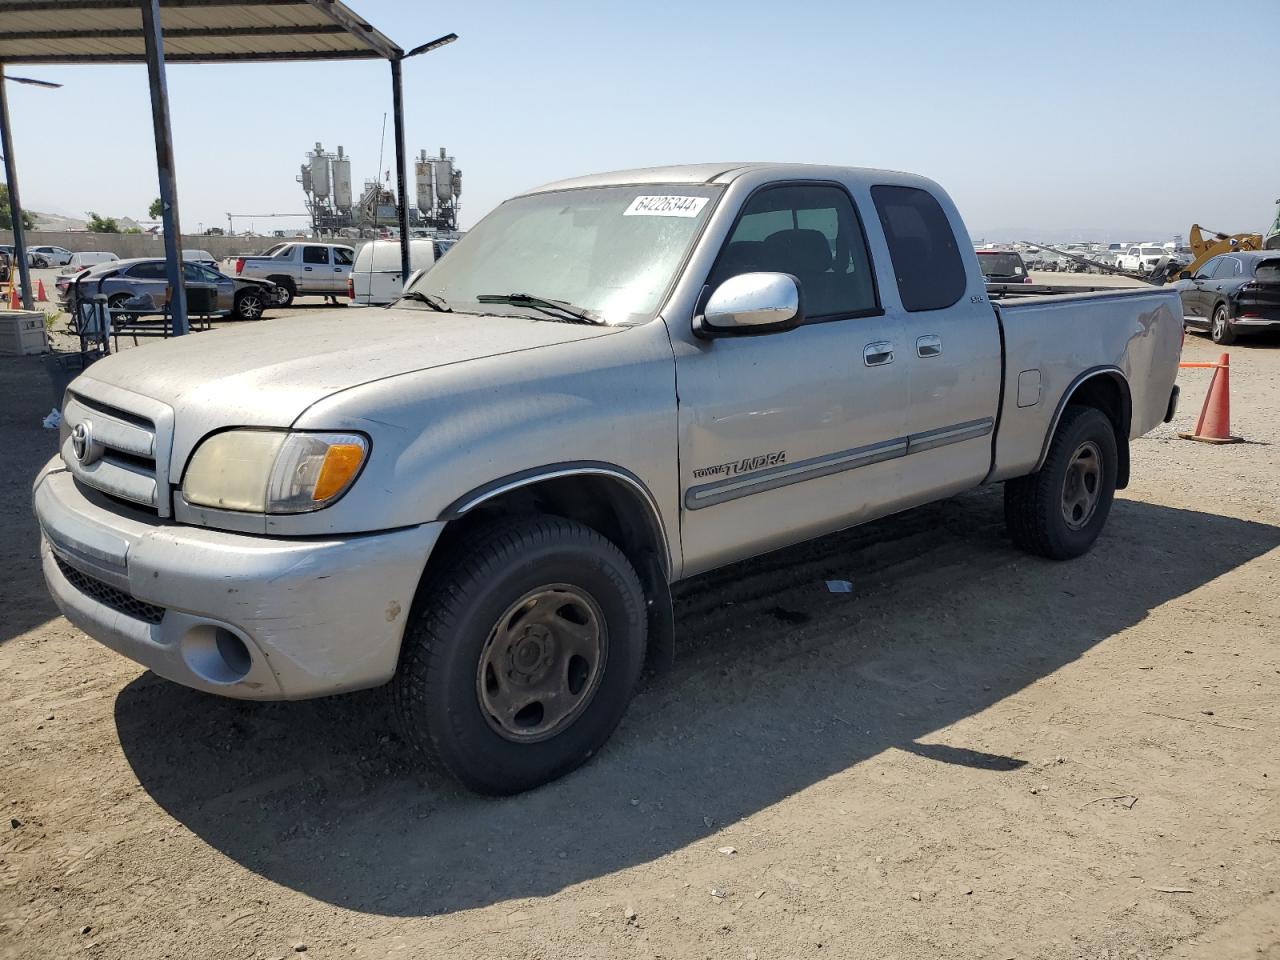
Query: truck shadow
point(778, 685)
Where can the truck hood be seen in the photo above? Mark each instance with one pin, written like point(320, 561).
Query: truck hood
point(267, 374)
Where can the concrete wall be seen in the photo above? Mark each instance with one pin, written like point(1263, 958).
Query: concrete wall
point(127, 245)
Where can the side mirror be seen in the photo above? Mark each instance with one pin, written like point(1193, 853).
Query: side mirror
point(1184, 274)
point(751, 304)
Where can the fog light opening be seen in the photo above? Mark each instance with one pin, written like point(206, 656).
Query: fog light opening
point(233, 651)
point(216, 654)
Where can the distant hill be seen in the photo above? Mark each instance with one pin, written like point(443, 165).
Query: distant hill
point(57, 223)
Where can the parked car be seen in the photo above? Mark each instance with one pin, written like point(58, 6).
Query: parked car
point(1143, 259)
point(301, 269)
point(44, 256)
point(611, 384)
point(376, 278)
point(144, 285)
point(5, 261)
point(84, 259)
point(1233, 294)
point(1003, 266)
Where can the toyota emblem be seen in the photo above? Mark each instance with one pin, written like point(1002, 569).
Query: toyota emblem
point(82, 444)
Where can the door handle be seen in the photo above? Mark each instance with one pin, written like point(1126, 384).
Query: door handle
point(308, 269)
point(929, 345)
point(877, 354)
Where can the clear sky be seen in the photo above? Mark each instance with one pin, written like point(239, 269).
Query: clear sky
point(1036, 117)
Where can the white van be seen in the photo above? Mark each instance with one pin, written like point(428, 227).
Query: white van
point(87, 258)
point(376, 279)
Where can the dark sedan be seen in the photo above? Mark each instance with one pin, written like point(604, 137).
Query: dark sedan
point(1233, 294)
point(143, 285)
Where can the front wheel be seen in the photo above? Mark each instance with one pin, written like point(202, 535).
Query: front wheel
point(1058, 511)
point(522, 654)
point(1220, 331)
point(250, 305)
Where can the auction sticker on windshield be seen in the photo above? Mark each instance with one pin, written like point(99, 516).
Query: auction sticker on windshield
point(665, 207)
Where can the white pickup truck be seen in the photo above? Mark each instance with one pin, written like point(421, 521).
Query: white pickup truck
point(300, 269)
point(482, 494)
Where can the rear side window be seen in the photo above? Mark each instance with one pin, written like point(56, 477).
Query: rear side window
point(1227, 267)
point(812, 232)
point(926, 259)
point(1268, 271)
point(149, 271)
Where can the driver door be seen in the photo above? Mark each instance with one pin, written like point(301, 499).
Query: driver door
point(788, 435)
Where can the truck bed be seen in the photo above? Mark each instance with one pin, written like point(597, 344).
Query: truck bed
point(1054, 340)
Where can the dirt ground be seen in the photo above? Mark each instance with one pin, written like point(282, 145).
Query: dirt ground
point(976, 754)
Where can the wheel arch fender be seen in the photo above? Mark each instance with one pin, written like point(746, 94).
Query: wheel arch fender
point(611, 500)
point(1107, 389)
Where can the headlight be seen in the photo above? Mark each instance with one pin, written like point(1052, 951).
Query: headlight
point(271, 471)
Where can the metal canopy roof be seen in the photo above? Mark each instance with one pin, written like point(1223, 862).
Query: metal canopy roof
point(195, 31)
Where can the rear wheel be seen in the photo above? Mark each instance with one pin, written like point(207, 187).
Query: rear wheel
point(1059, 511)
point(522, 654)
point(1220, 328)
point(116, 303)
point(285, 290)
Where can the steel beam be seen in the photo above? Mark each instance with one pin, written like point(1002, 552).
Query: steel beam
point(402, 202)
point(154, 37)
point(15, 202)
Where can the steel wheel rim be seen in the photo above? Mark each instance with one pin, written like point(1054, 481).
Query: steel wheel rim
point(1082, 486)
point(542, 663)
point(1219, 322)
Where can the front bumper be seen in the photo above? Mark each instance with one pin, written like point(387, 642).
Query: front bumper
point(253, 617)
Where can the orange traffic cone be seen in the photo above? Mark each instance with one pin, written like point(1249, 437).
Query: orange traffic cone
point(41, 296)
point(13, 297)
point(1214, 423)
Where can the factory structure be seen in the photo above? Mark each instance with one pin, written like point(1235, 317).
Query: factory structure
point(335, 208)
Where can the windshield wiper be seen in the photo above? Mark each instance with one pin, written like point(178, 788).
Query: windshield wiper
point(564, 309)
point(430, 299)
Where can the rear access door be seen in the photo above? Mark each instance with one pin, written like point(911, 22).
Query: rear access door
point(951, 351)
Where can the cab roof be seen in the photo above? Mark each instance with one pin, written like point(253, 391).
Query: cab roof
point(720, 173)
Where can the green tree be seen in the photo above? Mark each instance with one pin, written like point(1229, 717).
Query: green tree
point(98, 224)
point(6, 215)
point(155, 209)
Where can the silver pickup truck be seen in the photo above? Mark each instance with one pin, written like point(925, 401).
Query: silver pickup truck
point(300, 269)
point(483, 494)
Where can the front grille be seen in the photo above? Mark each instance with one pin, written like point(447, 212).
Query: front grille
point(109, 596)
point(124, 465)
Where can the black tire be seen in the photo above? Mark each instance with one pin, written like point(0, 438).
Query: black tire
point(1036, 511)
point(1220, 331)
point(115, 302)
point(286, 292)
point(449, 647)
point(250, 304)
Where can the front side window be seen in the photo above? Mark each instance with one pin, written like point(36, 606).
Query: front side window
point(926, 258)
point(812, 232)
point(315, 254)
point(342, 256)
point(611, 251)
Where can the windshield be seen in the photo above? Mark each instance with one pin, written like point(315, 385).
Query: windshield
point(611, 251)
point(1153, 251)
point(1000, 264)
